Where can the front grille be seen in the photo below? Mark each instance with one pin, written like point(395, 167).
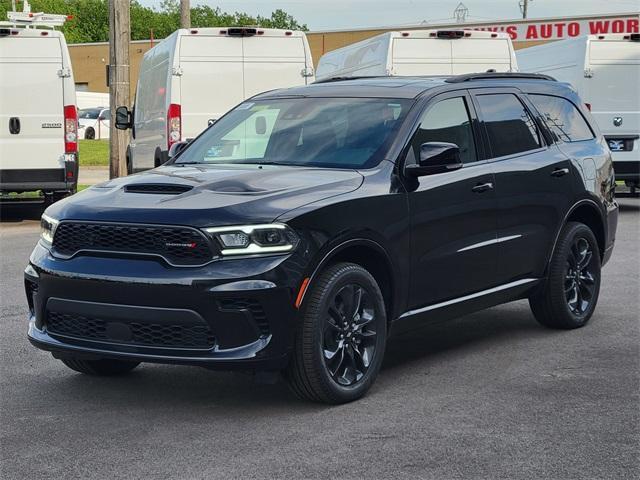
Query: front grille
point(196, 336)
point(253, 306)
point(178, 245)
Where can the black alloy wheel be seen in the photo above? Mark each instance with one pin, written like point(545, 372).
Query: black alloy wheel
point(349, 336)
point(579, 286)
point(569, 295)
point(341, 339)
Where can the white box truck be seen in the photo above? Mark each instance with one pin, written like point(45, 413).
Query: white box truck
point(193, 77)
point(38, 115)
point(605, 71)
point(421, 52)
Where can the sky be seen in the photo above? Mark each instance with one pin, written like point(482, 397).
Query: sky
point(345, 14)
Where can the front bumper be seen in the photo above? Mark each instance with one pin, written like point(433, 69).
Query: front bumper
point(229, 314)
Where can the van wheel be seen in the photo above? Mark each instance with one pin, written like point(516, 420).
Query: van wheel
point(340, 344)
point(569, 296)
point(90, 134)
point(100, 367)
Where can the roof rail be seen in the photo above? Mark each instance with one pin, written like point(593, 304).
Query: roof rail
point(498, 75)
point(340, 79)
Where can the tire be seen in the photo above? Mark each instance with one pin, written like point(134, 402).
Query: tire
point(102, 367)
point(90, 134)
point(570, 294)
point(333, 363)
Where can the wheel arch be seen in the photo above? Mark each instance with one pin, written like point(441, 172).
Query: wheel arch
point(371, 256)
point(587, 212)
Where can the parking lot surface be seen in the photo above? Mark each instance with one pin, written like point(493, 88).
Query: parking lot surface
point(490, 395)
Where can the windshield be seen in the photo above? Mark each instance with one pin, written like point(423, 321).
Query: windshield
point(90, 113)
point(321, 132)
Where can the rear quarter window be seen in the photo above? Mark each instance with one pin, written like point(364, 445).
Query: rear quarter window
point(563, 118)
point(509, 126)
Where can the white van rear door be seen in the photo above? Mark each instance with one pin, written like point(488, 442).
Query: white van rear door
point(473, 55)
point(613, 90)
point(211, 79)
point(273, 62)
point(421, 56)
point(31, 91)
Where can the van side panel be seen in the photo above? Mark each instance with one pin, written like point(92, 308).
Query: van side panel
point(151, 105)
point(31, 91)
point(211, 81)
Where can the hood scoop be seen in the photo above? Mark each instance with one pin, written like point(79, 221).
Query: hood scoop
point(157, 188)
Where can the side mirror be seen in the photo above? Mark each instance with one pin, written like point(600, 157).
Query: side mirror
point(123, 118)
point(176, 149)
point(435, 157)
point(261, 125)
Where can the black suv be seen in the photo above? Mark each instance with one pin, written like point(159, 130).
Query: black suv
point(301, 229)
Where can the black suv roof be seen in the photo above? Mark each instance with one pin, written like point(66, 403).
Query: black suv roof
point(405, 87)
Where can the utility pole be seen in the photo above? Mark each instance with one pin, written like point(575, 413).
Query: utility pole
point(185, 14)
point(119, 37)
point(524, 4)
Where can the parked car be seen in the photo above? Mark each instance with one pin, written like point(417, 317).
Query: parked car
point(91, 99)
point(38, 116)
point(605, 71)
point(309, 223)
point(421, 52)
point(94, 123)
point(193, 77)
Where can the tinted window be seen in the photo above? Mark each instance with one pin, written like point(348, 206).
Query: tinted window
point(447, 121)
point(324, 132)
point(563, 118)
point(89, 113)
point(510, 128)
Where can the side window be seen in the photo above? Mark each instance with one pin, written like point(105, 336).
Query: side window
point(563, 118)
point(509, 126)
point(106, 115)
point(447, 121)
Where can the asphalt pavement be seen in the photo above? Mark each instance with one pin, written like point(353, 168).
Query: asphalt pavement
point(491, 395)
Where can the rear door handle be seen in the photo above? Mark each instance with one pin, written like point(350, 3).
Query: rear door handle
point(559, 172)
point(482, 187)
point(14, 125)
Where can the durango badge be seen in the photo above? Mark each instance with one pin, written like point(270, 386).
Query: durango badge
point(185, 245)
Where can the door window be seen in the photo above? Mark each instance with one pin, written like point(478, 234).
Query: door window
point(509, 126)
point(563, 118)
point(447, 121)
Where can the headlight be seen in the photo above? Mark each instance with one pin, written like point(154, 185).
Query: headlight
point(252, 239)
point(48, 227)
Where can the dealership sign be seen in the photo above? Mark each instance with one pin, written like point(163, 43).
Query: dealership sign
point(556, 30)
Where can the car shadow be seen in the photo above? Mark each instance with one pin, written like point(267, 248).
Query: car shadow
point(214, 392)
point(628, 205)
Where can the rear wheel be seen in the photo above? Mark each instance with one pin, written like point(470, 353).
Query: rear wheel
point(102, 367)
point(90, 134)
point(569, 296)
point(340, 344)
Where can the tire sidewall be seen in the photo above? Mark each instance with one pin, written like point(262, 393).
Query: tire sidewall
point(351, 274)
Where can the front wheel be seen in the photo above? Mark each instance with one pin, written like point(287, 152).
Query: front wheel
point(104, 367)
point(340, 343)
point(569, 296)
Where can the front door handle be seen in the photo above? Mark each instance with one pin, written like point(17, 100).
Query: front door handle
point(482, 187)
point(559, 172)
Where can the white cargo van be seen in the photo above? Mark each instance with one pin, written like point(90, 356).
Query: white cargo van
point(38, 116)
point(193, 77)
point(421, 52)
point(605, 70)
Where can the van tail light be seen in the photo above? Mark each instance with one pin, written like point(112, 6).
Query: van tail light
point(588, 105)
point(70, 129)
point(174, 124)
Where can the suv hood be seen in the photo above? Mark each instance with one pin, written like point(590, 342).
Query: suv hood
point(200, 196)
